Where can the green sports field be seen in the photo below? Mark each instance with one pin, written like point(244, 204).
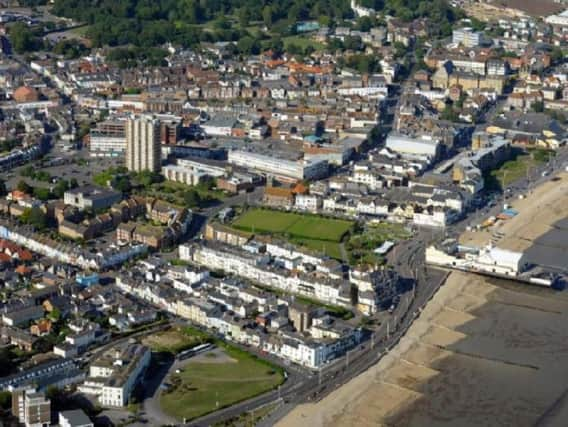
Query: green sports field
point(207, 384)
point(293, 225)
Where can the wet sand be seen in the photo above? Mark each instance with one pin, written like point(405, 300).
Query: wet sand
point(540, 229)
point(483, 353)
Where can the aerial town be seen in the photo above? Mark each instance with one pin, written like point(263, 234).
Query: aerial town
point(235, 214)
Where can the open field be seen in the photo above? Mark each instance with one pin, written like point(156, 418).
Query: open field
point(302, 42)
point(532, 7)
point(516, 169)
point(491, 12)
point(207, 384)
point(332, 249)
point(175, 340)
point(292, 224)
point(483, 353)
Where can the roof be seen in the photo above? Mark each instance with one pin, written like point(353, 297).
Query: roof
point(93, 192)
point(75, 418)
point(278, 192)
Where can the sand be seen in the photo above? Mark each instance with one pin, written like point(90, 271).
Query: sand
point(540, 230)
point(538, 213)
point(483, 353)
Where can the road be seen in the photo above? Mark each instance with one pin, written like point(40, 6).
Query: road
point(408, 258)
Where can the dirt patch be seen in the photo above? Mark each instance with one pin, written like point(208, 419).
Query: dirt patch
point(216, 355)
point(532, 7)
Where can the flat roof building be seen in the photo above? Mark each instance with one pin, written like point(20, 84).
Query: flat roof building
point(143, 152)
point(276, 166)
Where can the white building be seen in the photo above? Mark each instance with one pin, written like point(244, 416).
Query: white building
point(467, 37)
point(291, 169)
point(114, 375)
point(143, 151)
point(256, 269)
point(192, 172)
point(308, 202)
point(407, 146)
point(106, 145)
point(560, 20)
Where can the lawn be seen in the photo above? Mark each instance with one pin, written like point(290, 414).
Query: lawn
point(175, 340)
point(265, 221)
point(174, 192)
point(302, 42)
point(318, 228)
point(331, 249)
point(517, 168)
point(293, 225)
point(203, 387)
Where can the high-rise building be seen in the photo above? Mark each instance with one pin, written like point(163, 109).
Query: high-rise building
point(143, 144)
point(31, 408)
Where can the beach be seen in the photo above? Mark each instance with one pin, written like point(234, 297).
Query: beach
point(483, 353)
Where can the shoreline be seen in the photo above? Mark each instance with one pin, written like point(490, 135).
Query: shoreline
point(481, 353)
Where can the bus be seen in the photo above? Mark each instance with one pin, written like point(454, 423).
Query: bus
point(194, 351)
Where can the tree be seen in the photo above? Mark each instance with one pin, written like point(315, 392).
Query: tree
point(35, 217)
point(192, 198)
point(5, 400)
point(22, 38)
point(538, 106)
point(249, 46)
point(24, 187)
point(556, 55)
point(122, 184)
point(450, 114)
point(42, 193)
point(60, 188)
point(267, 16)
point(55, 315)
point(244, 17)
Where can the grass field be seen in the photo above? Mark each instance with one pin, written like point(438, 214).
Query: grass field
point(328, 248)
point(293, 225)
point(516, 169)
point(175, 340)
point(204, 387)
point(302, 42)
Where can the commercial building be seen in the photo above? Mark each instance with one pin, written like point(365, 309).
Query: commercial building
point(279, 167)
point(31, 408)
point(488, 260)
point(108, 139)
point(143, 151)
point(423, 147)
point(113, 376)
point(193, 171)
point(91, 197)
